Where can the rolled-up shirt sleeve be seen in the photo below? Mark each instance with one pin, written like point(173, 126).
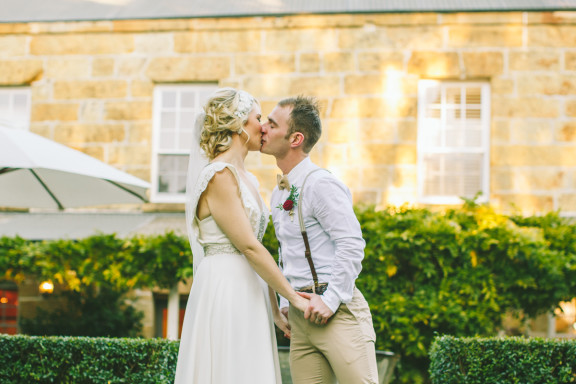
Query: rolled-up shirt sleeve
point(333, 209)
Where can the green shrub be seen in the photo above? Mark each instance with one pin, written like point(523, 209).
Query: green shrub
point(101, 312)
point(82, 360)
point(502, 361)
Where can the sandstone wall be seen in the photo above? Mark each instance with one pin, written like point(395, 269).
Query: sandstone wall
point(92, 86)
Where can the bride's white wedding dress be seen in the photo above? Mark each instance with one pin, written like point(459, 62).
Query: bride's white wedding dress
point(228, 335)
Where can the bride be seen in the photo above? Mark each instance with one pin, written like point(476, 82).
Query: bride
point(228, 334)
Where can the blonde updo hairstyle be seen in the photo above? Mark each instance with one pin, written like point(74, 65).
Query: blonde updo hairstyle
point(226, 113)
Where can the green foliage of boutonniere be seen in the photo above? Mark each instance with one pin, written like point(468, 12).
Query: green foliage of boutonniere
point(292, 200)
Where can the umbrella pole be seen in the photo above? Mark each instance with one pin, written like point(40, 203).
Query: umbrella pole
point(60, 206)
point(128, 190)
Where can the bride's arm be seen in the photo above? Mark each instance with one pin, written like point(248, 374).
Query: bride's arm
point(280, 320)
point(222, 197)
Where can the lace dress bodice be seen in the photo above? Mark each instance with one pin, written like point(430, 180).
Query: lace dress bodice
point(209, 234)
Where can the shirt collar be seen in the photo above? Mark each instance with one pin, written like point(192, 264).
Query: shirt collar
point(300, 169)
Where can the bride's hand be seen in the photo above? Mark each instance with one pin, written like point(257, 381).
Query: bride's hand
point(301, 303)
point(281, 322)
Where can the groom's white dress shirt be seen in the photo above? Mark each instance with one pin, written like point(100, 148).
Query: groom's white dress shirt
point(333, 231)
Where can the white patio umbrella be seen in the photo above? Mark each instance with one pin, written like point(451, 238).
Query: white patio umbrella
point(39, 173)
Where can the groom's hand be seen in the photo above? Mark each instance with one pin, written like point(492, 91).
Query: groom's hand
point(317, 312)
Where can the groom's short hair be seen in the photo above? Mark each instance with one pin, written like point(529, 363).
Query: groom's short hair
point(304, 118)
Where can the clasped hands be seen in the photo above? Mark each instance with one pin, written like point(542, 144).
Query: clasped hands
point(317, 312)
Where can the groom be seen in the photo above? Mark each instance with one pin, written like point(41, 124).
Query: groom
point(334, 338)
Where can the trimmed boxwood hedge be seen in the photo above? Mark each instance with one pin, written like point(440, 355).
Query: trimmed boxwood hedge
point(79, 360)
point(502, 360)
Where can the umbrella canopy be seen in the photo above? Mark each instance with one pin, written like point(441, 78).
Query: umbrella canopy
point(39, 173)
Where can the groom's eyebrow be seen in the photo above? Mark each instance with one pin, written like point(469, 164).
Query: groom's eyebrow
point(272, 120)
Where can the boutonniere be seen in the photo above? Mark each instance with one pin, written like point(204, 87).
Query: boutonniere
point(291, 202)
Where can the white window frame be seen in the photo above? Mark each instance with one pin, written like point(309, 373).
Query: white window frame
point(11, 117)
point(165, 197)
point(426, 148)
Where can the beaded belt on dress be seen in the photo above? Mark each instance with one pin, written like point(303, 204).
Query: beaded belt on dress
point(219, 249)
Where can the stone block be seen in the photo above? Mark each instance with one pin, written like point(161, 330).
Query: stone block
point(500, 131)
point(272, 86)
point(103, 67)
point(341, 131)
point(502, 86)
point(218, 41)
point(89, 133)
point(565, 132)
point(525, 107)
point(264, 64)
point(309, 62)
point(434, 64)
point(14, 28)
point(483, 64)
point(392, 85)
point(501, 179)
point(140, 133)
point(380, 61)
point(155, 43)
point(92, 111)
point(525, 131)
point(391, 38)
point(338, 62)
point(82, 44)
point(567, 202)
point(535, 60)
point(67, 68)
point(571, 108)
point(128, 110)
point(377, 131)
point(324, 86)
point(293, 40)
point(469, 36)
point(352, 107)
point(374, 177)
point(54, 112)
point(131, 66)
point(17, 72)
point(525, 203)
point(91, 89)
point(570, 61)
point(172, 69)
point(560, 17)
point(41, 91)
point(141, 88)
point(363, 197)
point(419, 19)
point(542, 155)
point(129, 155)
point(152, 25)
point(383, 154)
point(482, 18)
point(407, 131)
point(548, 36)
point(12, 46)
point(71, 27)
point(558, 84)
point(334, 155)
point(405, 176)
point(537, 179)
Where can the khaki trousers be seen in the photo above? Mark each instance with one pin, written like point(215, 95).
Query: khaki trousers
point(341, 351)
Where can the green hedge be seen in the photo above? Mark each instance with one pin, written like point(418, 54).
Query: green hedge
point(502, 360)
point(85, 360)
point(451, 272)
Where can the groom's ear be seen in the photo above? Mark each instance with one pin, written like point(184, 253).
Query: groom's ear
point(297, 139)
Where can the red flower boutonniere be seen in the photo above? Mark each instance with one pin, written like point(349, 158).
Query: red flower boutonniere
point(291, 202)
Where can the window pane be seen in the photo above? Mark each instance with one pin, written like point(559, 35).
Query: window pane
point(188, 100)
point(168, 121)
point(168, 99)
